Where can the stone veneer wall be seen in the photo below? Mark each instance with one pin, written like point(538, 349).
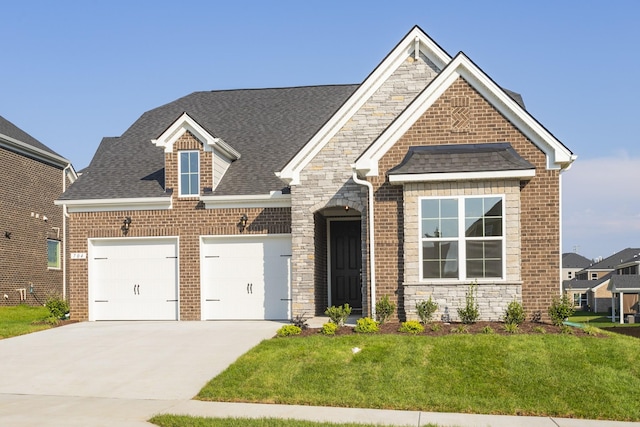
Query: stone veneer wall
point(539, 197)
point(188, 220)
point(493, 297)
point(326, 180)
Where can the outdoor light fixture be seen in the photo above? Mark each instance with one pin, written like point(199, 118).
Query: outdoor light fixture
point(243, 222)
point(125, 225)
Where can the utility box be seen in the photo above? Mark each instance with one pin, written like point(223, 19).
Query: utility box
point(631, 318)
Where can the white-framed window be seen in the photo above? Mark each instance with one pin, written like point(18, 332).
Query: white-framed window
point(462, 238)
point(579, 300)
point(189, 173)
point(53, 254)
point(594, 276)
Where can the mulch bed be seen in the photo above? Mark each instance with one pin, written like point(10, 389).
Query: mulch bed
point(632, 331)
point(454, 328)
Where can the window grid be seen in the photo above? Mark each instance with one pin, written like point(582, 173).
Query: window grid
point(189, 162)
point(462, 238)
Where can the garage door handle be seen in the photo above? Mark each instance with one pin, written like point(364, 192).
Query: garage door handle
point(172, 300)
point(286, 299)
point(212, 300)
point(101, 300)
point(249, 288)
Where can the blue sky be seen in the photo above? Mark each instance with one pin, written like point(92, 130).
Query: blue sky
point(75, 71)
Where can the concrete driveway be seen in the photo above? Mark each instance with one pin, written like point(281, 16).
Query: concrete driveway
point(112, 363)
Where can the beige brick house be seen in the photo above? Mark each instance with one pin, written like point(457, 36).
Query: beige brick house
point(271, 203)
point(32, 229)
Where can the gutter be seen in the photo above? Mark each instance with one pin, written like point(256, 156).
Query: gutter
point(372, 258)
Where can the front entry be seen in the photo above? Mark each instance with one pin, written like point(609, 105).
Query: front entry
point(346, 262)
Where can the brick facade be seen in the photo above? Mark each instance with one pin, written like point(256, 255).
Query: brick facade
point(28, 190)
point(187, 220)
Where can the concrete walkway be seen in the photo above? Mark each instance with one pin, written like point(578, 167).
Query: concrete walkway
point(123, 373)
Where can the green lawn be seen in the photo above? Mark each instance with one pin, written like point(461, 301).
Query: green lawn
point(182, 421)
point(543, 375)
point(599, 320)
point(19, 320)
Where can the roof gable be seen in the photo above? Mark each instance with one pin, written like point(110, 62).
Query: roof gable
point(415, 43)
point(558, 156)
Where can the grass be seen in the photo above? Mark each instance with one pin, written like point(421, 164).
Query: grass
point(483, 373)
point(182, 420)
point(19, 320)
point(599, 320)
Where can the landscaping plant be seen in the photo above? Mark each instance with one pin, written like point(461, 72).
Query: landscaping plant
point(411, 327)
point(384, 309)
point(366, 325)
point(560, 309)
point(514, 314)
point(288, 330)
point(57, 306)
point(329, 328)
point(426, 310)
point(470, 313)
point(338, 315)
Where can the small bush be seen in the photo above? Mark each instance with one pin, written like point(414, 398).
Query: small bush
point(411, 327)
point(539, 330)
point(591, 330)
point(470, 313)
point(514, 314)
point(338, 315)
point(384, 309)
point(460, 329)
point(329, 328)
point(566, 329)
point(435, 327)
point(57, 306)
point(300, 321)
point(426, 310)
point(560, 309)
point(366, 325)
point(487, 330)
point(288, 330)
point(511, 328)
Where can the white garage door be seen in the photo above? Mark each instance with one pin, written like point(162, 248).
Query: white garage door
point(133, 279)
point(246, 277)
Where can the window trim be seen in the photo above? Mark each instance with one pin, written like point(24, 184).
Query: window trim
point(461, 239)
point(180, 173)
point(58, 255)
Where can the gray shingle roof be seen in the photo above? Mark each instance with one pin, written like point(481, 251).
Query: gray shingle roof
point(461, 158)
point(612, 261)
point(9, 129)
point(625, 282)
point(267, 127)
point(574, 260)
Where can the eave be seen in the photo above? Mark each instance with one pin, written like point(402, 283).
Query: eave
point(274, 199)
point(113, 205)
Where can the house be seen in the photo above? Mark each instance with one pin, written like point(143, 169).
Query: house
point(602, 267)
point(273, 203)
point(624, 287)
point(591, 295)
point(573, 263)
point(32, 228)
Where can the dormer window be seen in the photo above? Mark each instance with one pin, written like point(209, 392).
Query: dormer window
point(189, 173)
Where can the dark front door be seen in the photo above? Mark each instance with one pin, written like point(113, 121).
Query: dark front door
point(346, 261)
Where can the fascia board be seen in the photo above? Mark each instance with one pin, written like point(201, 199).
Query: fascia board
point(290, 174)
point(462, 176)
point(112, 205)
point(558, 156)
point(31, 151)
point(187, 123)
point(273, 200)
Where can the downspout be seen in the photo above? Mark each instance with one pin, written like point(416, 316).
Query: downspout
point(65, 215)
point(370, 228)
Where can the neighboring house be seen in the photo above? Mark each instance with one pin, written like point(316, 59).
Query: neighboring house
point(591, 295)
point(32, 228)
point(272, 203)
point(601, 267)
point(573, 263)
point(624, 287)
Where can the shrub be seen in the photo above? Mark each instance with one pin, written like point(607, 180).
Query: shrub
point(470, 313)
point(338, 315)
point(512, 328)
point(384, 309)
point(300, 321)
point(560, 309)
point(566, 329)
point(539, 330)
point(426, 309)
point(514, 314)
point(366, 325)
point(57, 306)
point(460, 329)
point(487, 330)
point(591, 330)
point(288, 330)
point(435, 327)
point(329, 328)
point(411, 327)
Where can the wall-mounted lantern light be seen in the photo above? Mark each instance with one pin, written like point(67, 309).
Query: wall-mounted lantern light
point(243, 222)
point(125, 225)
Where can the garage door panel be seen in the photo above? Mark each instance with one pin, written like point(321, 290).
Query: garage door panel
point(246, 278)
point(134, 279)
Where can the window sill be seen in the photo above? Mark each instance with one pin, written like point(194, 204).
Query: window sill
point(463, 282)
